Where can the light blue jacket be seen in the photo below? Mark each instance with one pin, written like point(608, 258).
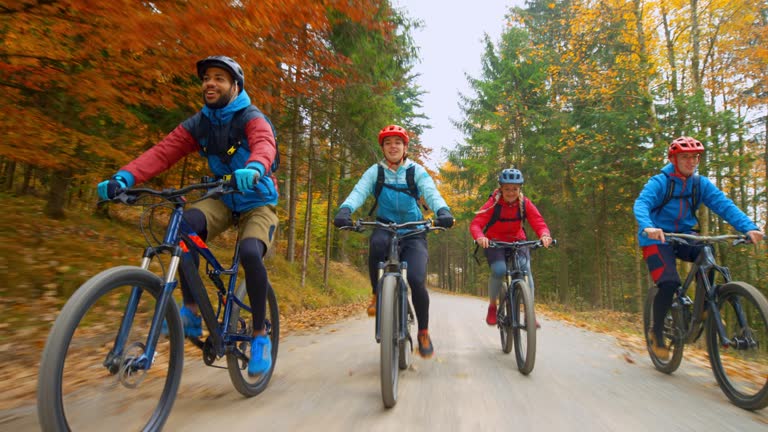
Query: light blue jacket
point(676, 216)
point(395, 206)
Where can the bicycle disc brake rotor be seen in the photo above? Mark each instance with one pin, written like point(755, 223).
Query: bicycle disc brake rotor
point(130, 375)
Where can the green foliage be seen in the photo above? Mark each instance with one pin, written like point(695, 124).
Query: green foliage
point(572, 96)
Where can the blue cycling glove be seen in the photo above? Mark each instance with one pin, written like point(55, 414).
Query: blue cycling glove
point(246, 179)
point(108, 189)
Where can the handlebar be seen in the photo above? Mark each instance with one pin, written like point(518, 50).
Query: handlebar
point(524, 244)
point(422, 226)
point(214, 189)
point(686, 238)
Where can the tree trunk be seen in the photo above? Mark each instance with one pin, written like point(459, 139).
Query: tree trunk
point(563, 286)
point(293, 155)
point(57, 194)
point(696, 46)
point(597, 282)
point(308, 212)
point(10, 170)
point(184, 167)
point(24, 188)
point(328, 214)
point(640, 276)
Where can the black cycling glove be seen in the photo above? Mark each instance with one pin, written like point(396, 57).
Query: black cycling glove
point(343, 218)
point(444, 218)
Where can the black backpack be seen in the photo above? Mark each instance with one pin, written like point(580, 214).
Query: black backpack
point(411, 188)
point(236, 134)
point(695, 196)
point(496, 216)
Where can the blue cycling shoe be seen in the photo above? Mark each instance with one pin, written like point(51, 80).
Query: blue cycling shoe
point(261, 355)
point(193, 324)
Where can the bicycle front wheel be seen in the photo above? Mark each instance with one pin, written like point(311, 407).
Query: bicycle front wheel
point(405, 346)
point(741, 365)
point(524, 327)
point(238, 356)
point(389, 322)
point(86, 376)
point(673, 333)
point(504, 321)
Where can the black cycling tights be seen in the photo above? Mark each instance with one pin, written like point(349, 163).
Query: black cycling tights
point(413, 250)
point(251, 252)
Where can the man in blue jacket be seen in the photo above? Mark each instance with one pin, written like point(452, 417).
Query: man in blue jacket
point(397, 201)
point(237, 140)
point(657, 211)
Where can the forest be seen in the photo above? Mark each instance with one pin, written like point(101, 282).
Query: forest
point(583, 96)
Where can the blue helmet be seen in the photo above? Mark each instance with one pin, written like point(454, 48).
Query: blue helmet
point(225, 63)
point(511, 176)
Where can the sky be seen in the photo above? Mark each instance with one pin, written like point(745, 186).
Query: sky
point(450, 45)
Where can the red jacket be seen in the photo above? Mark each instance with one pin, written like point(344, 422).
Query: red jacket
point(508, 231)
point(180, 143)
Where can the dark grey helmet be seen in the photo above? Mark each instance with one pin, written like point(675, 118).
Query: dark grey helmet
point(225, 63)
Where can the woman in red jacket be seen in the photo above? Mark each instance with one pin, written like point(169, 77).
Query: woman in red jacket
point(501, 218)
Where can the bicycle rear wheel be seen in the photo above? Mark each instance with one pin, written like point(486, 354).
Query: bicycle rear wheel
point(238, 356)
point(741, 368)
point(504, 321)
point(85, 377)
point(388, 320)
point(524, 327)
point(673, 333)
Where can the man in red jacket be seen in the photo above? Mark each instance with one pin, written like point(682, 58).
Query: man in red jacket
point(501, 218)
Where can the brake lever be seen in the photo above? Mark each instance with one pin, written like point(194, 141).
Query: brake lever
point(742, 240)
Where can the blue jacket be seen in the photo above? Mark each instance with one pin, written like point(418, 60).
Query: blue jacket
point(395, 206)
point(257, 151)
point(676, 216)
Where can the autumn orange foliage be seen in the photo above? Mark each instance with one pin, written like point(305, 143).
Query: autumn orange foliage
point(75, 73)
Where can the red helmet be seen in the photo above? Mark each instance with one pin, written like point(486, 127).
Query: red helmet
point(393, 130)
point(685, 145)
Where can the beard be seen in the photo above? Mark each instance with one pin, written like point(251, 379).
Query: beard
point(221, 102)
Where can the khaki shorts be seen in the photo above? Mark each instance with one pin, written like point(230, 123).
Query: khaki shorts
point(260, 222)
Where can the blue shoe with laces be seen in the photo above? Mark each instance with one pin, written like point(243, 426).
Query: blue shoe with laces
point(261, 355)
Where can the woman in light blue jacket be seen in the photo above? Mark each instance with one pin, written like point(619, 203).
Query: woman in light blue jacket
point(397, 183)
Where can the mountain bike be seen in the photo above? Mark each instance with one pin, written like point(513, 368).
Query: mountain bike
point(394, 312)
point(515, 316)
point(735, 316)
point(106, 342)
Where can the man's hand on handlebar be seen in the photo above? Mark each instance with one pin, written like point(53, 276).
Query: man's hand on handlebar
point(755, 236)
point(655, 234)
